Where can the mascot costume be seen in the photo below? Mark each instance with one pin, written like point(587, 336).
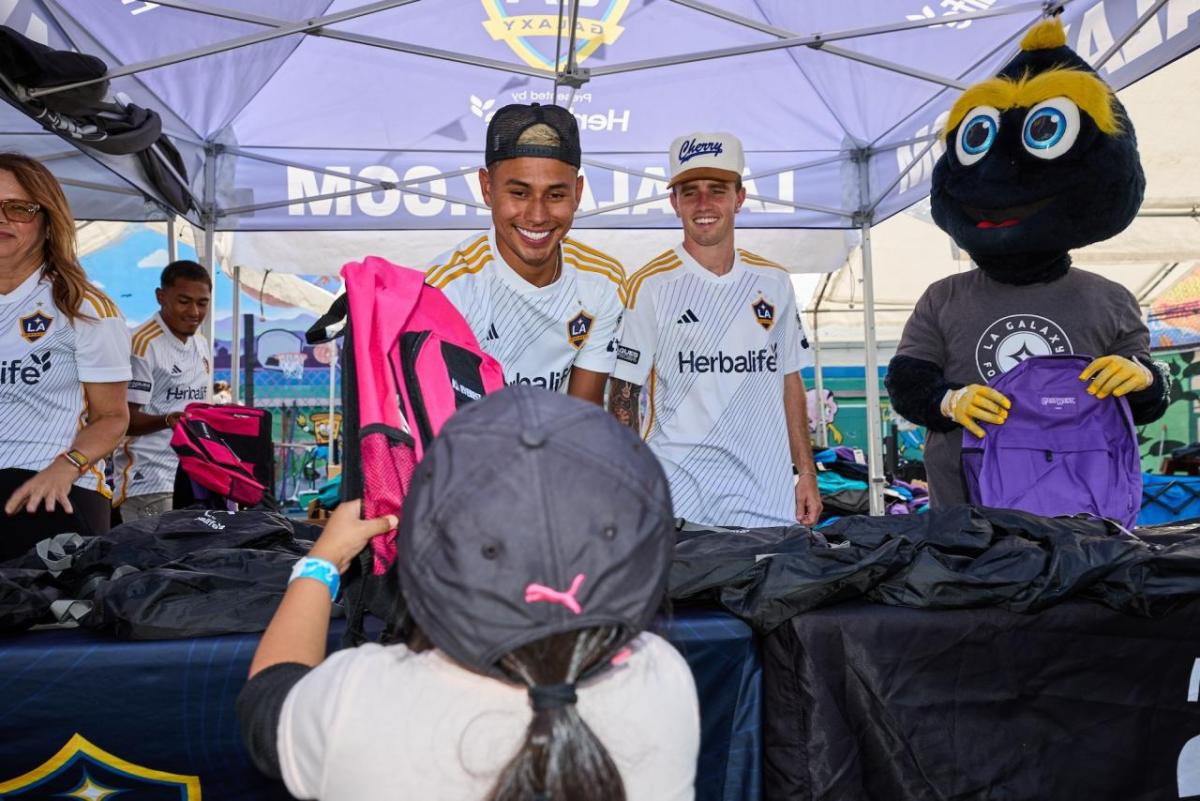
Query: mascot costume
point(1039, 160)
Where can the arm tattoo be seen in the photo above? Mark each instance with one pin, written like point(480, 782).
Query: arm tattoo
point(623, 403)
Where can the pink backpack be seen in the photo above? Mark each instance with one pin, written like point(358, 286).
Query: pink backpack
point(410, 361)
point(226, 450)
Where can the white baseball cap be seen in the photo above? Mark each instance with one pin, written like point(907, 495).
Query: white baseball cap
point(706, 155)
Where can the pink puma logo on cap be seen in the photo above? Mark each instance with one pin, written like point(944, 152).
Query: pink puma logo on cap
point(540, 592)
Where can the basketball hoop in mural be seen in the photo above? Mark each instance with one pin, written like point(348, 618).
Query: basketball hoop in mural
point(291, 365)
point(323, 352)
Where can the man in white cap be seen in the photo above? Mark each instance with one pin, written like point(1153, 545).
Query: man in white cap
point(714, 333)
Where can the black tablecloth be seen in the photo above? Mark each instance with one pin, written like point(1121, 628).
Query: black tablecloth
point(1078, 701)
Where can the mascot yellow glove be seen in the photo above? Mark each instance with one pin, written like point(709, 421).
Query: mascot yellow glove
point(1116, 376)
point(975, 402)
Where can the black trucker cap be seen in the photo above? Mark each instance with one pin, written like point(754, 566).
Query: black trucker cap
point(510, 122)
point(533, 514)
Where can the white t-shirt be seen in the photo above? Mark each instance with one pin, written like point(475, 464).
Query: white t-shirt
point(44, 360)
point(713, 351)
point(536, 333)
point(167, 375)
point(381, 722)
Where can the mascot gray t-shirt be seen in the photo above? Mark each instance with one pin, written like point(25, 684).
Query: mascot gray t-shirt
point(978, 328)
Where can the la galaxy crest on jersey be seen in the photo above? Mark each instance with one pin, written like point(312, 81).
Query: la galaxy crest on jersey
point(35, 326)
point(764, 313)
point(578, 328)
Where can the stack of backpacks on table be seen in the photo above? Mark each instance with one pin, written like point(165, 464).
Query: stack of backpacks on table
point(842, 480)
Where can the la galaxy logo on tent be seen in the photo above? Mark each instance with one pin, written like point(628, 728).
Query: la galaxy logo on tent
point(35, 326)
point(578, 328)
point(764, 313)
point(533, 31)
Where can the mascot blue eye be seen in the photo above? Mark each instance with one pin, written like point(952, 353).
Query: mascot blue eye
point(976, 134)
point(1051, 127)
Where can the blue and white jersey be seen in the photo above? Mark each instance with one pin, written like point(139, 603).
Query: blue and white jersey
point(538, 334)
point(712, 352)
point(44, 362)
point(168, 374)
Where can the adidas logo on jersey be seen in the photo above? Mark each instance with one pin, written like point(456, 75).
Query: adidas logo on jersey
point(688, 316)
point(552, 382)
point(763, 360)
point(492, 333)
point(175, 370)
point(27, 372)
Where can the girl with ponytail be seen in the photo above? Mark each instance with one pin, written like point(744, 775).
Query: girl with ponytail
point(533, 553)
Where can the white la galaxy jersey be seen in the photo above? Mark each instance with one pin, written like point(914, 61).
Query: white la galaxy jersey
point(536, 333)
point(167, 375)
point(44, 360)
point(712, 352)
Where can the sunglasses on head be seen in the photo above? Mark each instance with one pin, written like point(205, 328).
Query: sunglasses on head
point(19, 210)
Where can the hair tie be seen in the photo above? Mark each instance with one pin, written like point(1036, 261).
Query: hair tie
point(551, 696)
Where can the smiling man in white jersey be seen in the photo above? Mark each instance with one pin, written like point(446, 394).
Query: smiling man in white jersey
point(171, 369)
point(714, 333)
point(545, 306)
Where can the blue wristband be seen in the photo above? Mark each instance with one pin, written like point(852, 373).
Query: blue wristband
point(322, 570)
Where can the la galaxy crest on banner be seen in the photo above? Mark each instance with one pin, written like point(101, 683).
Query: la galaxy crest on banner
point(578, 328)
point(35, 326)
point(534, 36)
point(83, 770)
point(764, 313)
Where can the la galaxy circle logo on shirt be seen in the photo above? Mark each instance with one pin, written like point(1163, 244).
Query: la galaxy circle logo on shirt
point(578, 328)
point(1015, 338)
point(764, 313)
point(35, 326)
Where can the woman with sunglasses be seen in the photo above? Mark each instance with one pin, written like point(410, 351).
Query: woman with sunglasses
point(64, 368)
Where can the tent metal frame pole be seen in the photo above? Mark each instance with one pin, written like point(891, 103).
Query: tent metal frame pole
point(229, 44)
point(362, 39)
point(818, 376)
point(115, 190)
point(782, 33)
point(172, 240)
point(333, 360)
point(871, 361)
point(917, 159)
point(210, 252)
point(235, 352)
point(1138, 24)
point(809, 40)
point(663, 195)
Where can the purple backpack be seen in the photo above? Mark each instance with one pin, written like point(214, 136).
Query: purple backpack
point(1061, 451)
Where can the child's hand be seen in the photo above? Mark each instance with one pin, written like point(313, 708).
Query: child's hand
point(345, 534)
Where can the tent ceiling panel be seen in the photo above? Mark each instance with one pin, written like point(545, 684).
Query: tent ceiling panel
point(790, 104)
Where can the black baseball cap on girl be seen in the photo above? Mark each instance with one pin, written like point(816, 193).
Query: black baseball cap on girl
point(533, 514)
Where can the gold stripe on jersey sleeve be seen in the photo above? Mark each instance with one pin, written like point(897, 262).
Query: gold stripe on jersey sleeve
point(93, 471)
point(650, 405)
point(140, 333)
point(600, 265)
point(467, 255)
point(664, 263)
point(140, 350)
point(755, 260)
point(595, 255)
point(470, 269)
point(620, 282)
point(609, 269)
point(101, 303)
point(124, 474)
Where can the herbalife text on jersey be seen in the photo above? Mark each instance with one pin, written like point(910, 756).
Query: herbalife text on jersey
point(752, 361)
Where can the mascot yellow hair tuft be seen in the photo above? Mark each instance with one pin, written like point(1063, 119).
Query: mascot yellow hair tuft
point(1046, 35)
